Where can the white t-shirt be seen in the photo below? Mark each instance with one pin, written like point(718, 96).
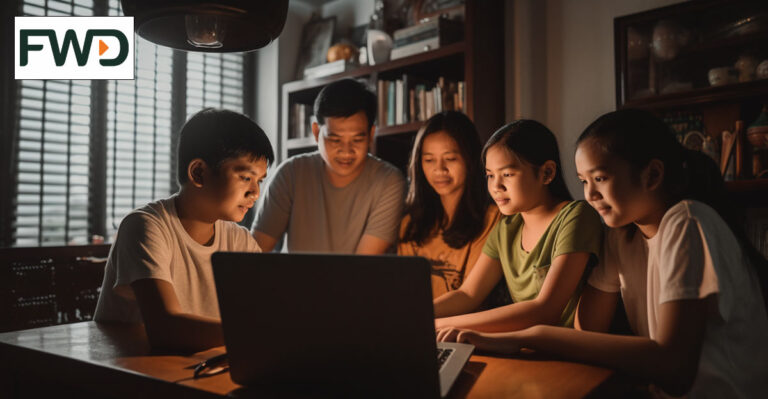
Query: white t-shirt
point(152, 243)
point(694, 255)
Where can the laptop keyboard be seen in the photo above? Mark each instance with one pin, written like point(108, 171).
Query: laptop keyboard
point(442, 355)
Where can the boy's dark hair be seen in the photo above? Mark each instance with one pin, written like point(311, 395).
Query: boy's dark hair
point(532, 142)
point(638, 137)
point(215, 135)
point(344, 98)
point(423, 204)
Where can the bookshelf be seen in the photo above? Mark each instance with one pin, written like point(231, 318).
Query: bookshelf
point(716, 34)
point(476, 61)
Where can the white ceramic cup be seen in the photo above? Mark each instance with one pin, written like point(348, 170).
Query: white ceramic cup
point(720, 76)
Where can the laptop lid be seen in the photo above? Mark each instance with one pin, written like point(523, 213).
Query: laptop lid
point(331, 322)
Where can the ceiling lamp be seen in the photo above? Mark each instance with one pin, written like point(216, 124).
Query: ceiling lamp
point(211, 26)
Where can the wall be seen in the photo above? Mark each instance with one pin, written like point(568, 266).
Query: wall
point(349, 13)
point(573, 81)
point(276, 63)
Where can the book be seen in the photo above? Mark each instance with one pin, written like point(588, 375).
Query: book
point(391, 104)
point(380, 93)
point(411, 105)
point(422, 90)
point(399, 102)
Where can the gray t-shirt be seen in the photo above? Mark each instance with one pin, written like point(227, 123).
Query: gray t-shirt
point(318, 217)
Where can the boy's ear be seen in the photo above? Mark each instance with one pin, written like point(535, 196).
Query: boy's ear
point(547, 171)
point(316, 131)
point(195, 172)
point(653, 174)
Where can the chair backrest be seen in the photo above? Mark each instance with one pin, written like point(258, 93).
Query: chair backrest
point(42, 286)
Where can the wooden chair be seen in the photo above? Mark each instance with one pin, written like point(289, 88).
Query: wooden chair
point(43, 286)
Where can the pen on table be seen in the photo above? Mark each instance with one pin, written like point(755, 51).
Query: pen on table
point(209, 363)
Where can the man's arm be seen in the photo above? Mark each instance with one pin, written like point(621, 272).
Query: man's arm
point(166, 325)
point(274, 208)
point(370, 245)
point(265, 241)
point(383, 223)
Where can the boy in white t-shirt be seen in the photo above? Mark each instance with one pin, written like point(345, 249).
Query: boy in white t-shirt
point(159, 268)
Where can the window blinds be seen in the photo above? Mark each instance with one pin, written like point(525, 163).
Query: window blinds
point(51, 204)
point(54, 203)
point(139, 132)
point(214, 80)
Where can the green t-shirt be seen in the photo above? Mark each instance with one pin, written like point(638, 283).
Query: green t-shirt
point(576, 228)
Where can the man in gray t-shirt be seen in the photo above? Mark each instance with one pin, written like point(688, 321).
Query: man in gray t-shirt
point(339, 199)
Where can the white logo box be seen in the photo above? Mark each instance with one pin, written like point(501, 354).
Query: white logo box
point(41, 63)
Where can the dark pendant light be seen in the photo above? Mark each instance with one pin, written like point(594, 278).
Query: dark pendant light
point(210, 26)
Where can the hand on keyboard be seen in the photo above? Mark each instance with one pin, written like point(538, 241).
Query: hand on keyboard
point(506, 343)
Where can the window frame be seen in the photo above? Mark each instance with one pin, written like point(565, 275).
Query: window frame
point(10, 97)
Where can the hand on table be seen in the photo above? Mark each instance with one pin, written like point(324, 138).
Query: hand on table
point(504, 343)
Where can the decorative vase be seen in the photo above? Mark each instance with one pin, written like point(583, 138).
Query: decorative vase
point(379, 46)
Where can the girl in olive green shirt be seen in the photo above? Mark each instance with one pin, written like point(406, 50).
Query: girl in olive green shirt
point(543, 245)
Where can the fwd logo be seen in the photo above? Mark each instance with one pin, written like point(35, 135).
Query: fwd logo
point(64, 48)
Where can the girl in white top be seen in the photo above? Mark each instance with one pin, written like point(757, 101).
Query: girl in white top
point(686, 275)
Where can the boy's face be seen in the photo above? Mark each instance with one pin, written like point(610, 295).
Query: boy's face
point(235, 187)
point(344, 144)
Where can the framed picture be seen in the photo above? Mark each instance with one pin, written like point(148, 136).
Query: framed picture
point(316, 39)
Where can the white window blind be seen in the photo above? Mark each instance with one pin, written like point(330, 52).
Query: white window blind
point(62, 135)
point(214, 80)
point(139, 132)
point(51, 204)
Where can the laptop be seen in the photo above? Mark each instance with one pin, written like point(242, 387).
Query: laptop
point(342, 325)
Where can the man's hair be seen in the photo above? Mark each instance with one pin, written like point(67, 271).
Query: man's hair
point(215, 135)
point(345, 98)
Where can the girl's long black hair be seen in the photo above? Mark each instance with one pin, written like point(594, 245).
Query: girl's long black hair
point(423, 204)
point(638, 137)
point(532, 142)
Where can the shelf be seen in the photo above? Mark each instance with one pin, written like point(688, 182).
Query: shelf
point(747, 186)
point(302, 142)
point(399, 129)
point(749, 192)
point(477, 60)
point(731, 92)
point(442, 52)
point(707, 47)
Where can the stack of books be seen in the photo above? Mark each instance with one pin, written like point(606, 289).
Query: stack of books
point(426, 36)
point(412, 99)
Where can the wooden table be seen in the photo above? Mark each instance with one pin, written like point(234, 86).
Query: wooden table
point(94, 359)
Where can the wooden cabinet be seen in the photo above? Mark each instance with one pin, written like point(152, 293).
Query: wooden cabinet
point(476, 61)
point(702, 66)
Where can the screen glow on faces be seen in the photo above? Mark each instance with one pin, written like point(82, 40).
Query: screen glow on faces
point(343, 143)
point(511, 182)
point(442, 163)
point(607, 184)
point(238, 186)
